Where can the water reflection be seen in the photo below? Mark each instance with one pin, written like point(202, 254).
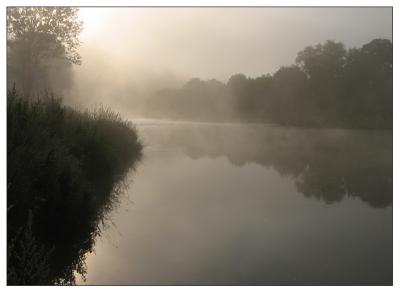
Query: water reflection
point(326, 164)
point(225, 205)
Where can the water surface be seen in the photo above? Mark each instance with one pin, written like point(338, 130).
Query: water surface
point(230, 204)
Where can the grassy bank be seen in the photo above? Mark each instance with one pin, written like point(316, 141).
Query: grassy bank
point(63, 172)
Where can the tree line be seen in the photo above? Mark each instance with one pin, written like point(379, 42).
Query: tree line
point(328, 86)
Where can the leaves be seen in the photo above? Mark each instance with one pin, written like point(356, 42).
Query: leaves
point(64, 170)
point(47, 30)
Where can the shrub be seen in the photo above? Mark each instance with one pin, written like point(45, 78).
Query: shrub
point(63, 167)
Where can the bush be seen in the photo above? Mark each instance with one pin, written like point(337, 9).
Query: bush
point(64, 168)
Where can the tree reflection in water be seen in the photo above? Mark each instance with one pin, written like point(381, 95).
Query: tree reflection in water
point(326, 164)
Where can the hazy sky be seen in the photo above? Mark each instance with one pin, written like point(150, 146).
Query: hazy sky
point(130, 53)
point(218, 42)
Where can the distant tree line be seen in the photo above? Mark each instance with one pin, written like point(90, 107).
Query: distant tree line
point(328, 86)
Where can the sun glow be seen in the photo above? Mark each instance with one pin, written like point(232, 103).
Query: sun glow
point(92, 18)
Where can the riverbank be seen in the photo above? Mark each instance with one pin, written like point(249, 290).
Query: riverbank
point(64, 171)
point(169, 121)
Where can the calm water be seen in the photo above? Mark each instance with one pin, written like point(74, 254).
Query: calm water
point(225, 204)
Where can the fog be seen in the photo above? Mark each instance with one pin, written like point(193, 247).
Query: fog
point(205, 146)
point(130, 53)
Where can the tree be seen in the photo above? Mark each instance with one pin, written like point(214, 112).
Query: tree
point(324, 66)
point(368, 84)
point(322, 61)
point(238, 84)
point(38, 37)
point(328, 86)
point(289, 86)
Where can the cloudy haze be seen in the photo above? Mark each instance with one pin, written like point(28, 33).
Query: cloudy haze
point(138, 47)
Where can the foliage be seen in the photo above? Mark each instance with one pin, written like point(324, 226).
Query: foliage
point(65, 168)
point(30, 258)
point(38, 39)
point(198, 99)
point(328, 86)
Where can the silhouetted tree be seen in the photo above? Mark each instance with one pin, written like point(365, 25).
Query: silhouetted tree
point(38, 38)
point(324, 66)
point(196, 100)
point(289, 90)
point(368, 84)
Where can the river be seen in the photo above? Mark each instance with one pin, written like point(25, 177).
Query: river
point(232, 204)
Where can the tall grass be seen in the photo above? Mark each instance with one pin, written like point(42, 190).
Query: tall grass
point(63, 168)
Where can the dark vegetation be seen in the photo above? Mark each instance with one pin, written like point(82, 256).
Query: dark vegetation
point(64, 168)
point(328, 86)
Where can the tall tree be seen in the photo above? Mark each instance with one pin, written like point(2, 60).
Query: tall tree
point(289, 95)
point(324, 66)
point(368, 84)
point(38, 37)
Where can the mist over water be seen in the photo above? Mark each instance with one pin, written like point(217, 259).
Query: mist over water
point(252, 205)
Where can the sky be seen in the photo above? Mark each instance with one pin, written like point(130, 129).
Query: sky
point(129, 54)
point(218, 42)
